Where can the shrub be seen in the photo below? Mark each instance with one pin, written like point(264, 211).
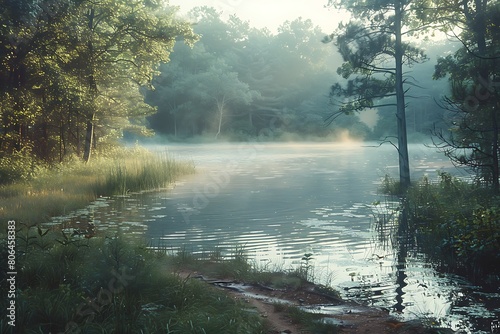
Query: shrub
point(457, 221)
point(18, 166)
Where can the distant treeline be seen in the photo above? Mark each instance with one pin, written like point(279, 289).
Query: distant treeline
point(239, 82)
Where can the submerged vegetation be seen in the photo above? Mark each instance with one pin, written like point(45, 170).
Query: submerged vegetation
point(456, 222)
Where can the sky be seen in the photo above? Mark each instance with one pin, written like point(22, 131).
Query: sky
point(271, 13)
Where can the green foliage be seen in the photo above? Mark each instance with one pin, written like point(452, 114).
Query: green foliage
point(60, 188)
point(390, 186)
point(457, 220)
point(143, 172)
point(258, 94)
point(472, 103)
point(306, 267)
point(72, 71)
point(18, 166)
point(217, 262)
point(375, 49)
point(115, 284)
point(479, 237)
point(367, 45)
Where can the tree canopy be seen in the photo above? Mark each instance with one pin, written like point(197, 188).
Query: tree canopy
point(474, 100)
point(72, 71)
point(240, 81)
point(375, 51)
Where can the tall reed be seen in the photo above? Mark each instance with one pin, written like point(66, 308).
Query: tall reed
point(59, 189)
point(144, 171)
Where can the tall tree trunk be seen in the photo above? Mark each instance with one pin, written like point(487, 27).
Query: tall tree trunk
point(62, 144)
point(494, 150)
point(477, 21)
point(404, 165)
point(220, 123)
point(220, 107)
point(89, 136)
point(175, 125)
point(89, 132)
point(78, 136)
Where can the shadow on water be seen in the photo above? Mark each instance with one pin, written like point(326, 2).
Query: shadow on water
point(403, 238)
point(392, 232)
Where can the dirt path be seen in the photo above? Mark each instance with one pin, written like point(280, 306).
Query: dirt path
point(351, 317)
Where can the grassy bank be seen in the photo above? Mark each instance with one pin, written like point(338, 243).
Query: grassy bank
point(113, 285)
point(108, 283)
point(116, 284)
point(59, 189)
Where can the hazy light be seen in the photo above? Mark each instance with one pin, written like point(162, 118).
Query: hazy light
point(344, 137)
point(271, 14)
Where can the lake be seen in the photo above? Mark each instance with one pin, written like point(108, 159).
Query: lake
point(280, 201)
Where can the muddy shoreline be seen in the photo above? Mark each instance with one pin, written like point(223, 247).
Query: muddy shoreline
point(348, 316)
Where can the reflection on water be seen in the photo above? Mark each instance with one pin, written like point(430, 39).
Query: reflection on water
point(280, 201)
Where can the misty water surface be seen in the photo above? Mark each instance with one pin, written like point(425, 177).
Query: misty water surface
point(281, 201)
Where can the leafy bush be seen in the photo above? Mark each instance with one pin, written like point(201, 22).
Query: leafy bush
point(18, 166)
point(479, 237)
point(457, 220)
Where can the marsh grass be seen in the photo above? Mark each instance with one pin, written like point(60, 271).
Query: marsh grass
point(62, 188)
point(237, 266)
point(390, 186)
point(457, 223)
point(142, 172)
point(232, 262)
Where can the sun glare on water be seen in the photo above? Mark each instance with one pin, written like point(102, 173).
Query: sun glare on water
point(344, 138)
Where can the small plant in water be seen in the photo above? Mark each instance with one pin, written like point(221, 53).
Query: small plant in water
point(306, 268)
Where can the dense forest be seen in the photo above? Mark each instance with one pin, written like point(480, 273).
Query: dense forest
point(71, 72)
point(77, 73)
point(240, 82)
